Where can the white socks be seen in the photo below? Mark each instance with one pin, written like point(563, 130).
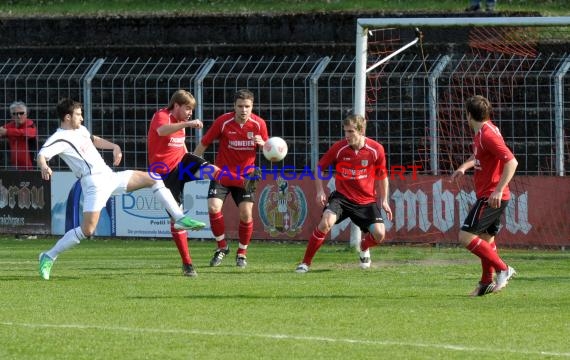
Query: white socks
point(167, 200)
point(69, 240)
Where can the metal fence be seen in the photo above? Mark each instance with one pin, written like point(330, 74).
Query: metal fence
point(304, 98)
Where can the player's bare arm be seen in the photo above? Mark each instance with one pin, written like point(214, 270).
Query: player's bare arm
point(321, 194)
point(508, 173)
point(383, 187)
point(103, 144)
point(44, 167)
point(199, 150)
point(463, 168)
point(168, 129)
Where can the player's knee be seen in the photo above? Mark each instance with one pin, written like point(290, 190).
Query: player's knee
point(213, 209)
point(324, 227)
point(87, 232)
point(379, 237)
point(378, 232)
point(465, 237)
point(246, 218)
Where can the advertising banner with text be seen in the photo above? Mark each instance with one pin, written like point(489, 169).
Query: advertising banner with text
point(136, 214)
point(426, 209)
point(24, 203)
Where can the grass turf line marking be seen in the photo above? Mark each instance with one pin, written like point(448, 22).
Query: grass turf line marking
point(288, 337)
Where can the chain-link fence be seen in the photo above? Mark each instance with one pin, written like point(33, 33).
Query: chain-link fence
point(304, 99)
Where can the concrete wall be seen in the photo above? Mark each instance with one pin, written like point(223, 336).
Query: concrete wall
point(198, 36)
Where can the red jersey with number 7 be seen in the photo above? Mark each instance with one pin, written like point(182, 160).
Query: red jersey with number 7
point(237, 150)
point(491, 154)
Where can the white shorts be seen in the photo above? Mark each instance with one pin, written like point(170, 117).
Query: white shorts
point(97, 189)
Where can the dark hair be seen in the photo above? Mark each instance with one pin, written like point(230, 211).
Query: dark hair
point(244, 95)
point(66, 106)
point(479, 107)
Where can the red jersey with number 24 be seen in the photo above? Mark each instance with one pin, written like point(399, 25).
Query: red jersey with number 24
point(356, 170)
point(491, 154)
point(237, 150)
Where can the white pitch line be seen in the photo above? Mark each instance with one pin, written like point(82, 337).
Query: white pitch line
point(291, 337)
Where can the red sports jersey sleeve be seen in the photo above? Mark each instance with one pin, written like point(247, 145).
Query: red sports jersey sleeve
point(167, 149)
point(237, 150)
point(356, 171)
point(491, 154)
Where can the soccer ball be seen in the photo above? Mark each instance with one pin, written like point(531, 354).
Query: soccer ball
point(275, 149)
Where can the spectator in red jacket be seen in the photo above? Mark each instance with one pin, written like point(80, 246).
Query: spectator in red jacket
point(22, 136)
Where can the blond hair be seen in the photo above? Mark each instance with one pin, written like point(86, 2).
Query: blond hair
point(182, 97)
point(358, 121)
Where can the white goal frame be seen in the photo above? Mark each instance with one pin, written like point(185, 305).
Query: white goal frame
point(363, 24)
point(361, 61)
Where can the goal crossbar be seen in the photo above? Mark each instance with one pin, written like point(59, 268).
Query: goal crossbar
point(363, 24)
point(463, 21)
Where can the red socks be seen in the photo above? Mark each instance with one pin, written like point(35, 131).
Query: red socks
point(487, 267)
point(180, 238)
point(368, 242)
point(218, 229)
point(245, 230)
point(317, 239)
point(485, 251)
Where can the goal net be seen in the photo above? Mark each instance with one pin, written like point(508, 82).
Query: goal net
point(412, 77)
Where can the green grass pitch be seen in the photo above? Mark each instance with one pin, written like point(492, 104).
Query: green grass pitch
point(127, 299)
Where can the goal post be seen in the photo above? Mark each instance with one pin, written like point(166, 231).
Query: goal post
point(508, 59)
point(364, 24)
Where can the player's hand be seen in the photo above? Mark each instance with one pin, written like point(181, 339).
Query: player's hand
point(387, 209)
point(258, 140)
point(117, 155)
point(321, 198)
point(46, 172)
point(456, 175)
point(195, 124)
point(494, 200)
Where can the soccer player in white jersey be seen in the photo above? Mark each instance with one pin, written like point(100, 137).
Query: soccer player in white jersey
point(78, 148)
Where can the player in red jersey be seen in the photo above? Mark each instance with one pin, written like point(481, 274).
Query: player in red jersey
point(240, 133)
point(360, 166)
point(169, 157)
point(494, 166)
point(22, 136)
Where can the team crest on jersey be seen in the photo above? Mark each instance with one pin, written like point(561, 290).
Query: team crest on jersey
point(250, 134)
point(282, 209)
point(364, 163)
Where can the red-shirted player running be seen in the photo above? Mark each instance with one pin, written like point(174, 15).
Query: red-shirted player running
point(240, 133)
point(494, 166)
point(360, 166)
point(169, 157)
